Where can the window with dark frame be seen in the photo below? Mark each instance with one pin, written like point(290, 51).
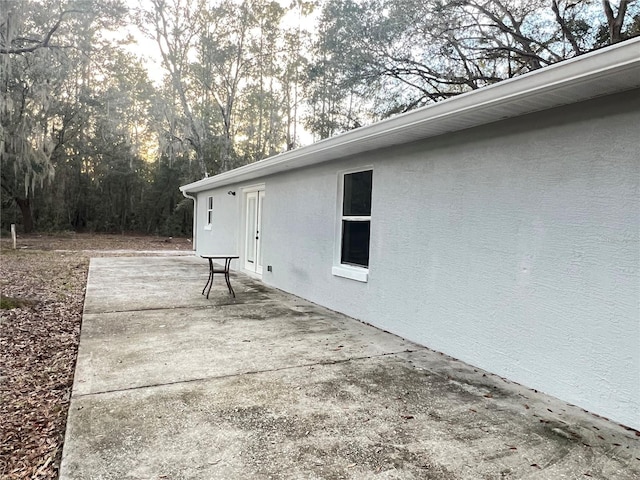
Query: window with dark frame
point(209, 210)
point(356, 218)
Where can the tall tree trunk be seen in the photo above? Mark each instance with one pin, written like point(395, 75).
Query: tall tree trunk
point(25, 209)
point(615, 20)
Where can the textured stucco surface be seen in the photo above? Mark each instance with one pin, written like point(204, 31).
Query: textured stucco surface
point(514, 247)
point(226, 212)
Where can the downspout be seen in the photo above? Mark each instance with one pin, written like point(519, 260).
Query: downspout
point(195, 218)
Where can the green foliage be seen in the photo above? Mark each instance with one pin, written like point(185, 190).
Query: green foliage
point(164, 209)
point(44, 47)
point(9, 303)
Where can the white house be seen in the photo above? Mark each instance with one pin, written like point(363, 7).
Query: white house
point(500, 227)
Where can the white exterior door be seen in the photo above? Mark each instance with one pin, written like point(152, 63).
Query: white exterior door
point(253, 231)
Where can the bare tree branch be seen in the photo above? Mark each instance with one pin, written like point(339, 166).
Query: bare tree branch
point(44, 43)
point(565, 28)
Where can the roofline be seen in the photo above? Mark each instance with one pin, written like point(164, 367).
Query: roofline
point(598, 65)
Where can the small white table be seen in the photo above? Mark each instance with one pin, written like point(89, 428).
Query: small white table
point(227, 263)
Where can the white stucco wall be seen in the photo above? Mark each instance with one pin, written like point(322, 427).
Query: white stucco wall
point(223, 236)
point(514, 247)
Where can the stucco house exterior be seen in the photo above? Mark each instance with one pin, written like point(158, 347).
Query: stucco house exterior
point(501, 227)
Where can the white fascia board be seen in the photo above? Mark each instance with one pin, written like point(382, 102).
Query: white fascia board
point(601, 72)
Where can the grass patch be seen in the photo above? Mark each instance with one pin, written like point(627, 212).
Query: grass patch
point(9, 303)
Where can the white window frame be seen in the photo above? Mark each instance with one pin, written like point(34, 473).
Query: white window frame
point(339, 269)
point(209, 217)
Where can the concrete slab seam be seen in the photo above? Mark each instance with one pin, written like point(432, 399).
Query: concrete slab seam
point(186, 307)
point(250, 372)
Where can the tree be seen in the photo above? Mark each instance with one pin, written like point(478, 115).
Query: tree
point(293, 61)
point(175, 27)
point(615, 20)
point(40, 44)
point(227, 68)
point(396, 55)
point(224, 63)
point(341, 71)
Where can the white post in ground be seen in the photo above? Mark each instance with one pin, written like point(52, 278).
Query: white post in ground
point(13, 234)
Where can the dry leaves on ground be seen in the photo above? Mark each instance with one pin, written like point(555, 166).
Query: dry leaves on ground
point(42, 293)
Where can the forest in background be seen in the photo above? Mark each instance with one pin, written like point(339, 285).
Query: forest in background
point(92, 140)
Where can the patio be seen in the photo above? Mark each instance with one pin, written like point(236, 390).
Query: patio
point(170, 385)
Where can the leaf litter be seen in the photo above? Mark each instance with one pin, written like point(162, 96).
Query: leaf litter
point(42, 292)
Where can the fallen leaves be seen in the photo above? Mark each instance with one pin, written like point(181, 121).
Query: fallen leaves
point(38, 345)
point(43, 294)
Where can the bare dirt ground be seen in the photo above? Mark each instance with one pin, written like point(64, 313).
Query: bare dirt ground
point(42, 286)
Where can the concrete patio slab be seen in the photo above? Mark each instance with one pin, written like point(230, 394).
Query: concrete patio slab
point(167, 346)
point(170, 385)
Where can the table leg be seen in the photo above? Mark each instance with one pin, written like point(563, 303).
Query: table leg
point(210, 279)
point(210, 276)
point(227, 265)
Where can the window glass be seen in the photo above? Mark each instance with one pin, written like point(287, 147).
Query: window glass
point(355, 242)
point(357, 194)
point(356, 218)
point(209, 210)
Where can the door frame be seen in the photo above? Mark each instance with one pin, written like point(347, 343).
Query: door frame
point(259, 191)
